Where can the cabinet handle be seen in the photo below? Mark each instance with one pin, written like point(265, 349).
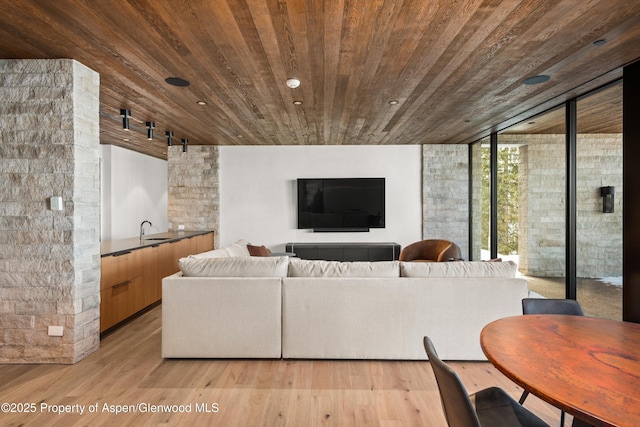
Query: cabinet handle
point(121, 253)
point(119, 285)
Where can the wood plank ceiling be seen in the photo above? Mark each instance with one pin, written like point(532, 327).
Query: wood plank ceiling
point(456, 68)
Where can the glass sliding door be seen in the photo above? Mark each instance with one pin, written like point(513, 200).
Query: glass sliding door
point(531, 211)
point(599, 203)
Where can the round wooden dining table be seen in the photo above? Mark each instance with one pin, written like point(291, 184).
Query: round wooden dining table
point(586, 366)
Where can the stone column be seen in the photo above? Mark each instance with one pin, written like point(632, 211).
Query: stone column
point(194, 194)
point(445, 194)
point(49, 259)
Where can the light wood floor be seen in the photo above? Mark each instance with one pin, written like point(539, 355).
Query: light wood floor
point(128, 371)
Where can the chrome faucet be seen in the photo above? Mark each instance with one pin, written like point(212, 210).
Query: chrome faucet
point(142, 228)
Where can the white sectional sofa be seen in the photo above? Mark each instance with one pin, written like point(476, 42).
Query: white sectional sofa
point(273, 307)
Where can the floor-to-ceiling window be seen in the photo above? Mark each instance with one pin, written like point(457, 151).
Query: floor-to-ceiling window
point(599, 202)
point(531, 188)
point(531, 221)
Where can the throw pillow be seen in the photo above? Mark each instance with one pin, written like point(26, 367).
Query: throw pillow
point(258, 250)
point(215, 253)
point(238, 249)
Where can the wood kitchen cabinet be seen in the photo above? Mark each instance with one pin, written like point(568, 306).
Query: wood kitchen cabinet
point(131, 279)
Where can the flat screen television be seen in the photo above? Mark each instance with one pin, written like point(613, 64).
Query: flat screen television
point(341, 204)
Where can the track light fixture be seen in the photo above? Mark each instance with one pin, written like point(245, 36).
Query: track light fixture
point(125, 114)
point(185, 142)
point(150, 126)
point(169, 135)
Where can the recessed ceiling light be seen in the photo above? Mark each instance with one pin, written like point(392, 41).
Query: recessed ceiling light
point(297, 102)
point(126, 139)
point(536, 80)
point(293, 83)
point(600, 42)
point(394, 102)
point(201, 102)
point(177, 81)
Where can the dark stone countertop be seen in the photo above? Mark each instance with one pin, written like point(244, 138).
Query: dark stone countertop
point(111, 247)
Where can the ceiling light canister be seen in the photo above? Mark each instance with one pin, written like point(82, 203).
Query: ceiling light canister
point(293, 83)
point(169, 135)
point(185, 142)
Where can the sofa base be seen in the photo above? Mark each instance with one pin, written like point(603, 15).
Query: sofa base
point(376, 318)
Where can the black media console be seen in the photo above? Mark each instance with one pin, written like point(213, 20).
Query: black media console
point(346, 251)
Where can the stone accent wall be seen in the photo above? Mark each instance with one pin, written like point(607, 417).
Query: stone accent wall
point(194, 194)
point(445, 194)
point(49, 260)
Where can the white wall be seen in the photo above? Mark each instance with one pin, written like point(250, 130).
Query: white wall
point(258, 191)
point(134, 189)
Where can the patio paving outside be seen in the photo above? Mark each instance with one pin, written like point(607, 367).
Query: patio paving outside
point(599, 297)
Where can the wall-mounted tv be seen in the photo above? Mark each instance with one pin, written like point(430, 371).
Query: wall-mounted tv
point(341, 204)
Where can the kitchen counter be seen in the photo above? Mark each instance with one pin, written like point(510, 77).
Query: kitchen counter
point(111, 247)
point(131, 271)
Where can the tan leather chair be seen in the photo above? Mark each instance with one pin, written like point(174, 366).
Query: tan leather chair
point(434, 250)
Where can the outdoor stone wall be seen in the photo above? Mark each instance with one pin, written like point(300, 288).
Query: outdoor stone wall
point(49, 260)
point(542, 197)
point(445, 194)
point(542, 210)
point(598, 235)
point(193, 194)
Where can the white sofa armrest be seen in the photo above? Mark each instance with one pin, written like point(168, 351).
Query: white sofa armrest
point(238, 317)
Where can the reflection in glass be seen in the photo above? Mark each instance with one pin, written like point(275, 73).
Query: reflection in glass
point(481, 200)
point(531, 201)
point(598, 182)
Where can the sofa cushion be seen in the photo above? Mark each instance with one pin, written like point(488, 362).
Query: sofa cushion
point(505, 269)
point(234, 267)
point(317, 268)
point(238, 249)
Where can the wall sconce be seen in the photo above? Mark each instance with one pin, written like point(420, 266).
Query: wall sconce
point(185, 142)
point(125, 114)
point(169, 135)
point(150, 126)
point(607, 198)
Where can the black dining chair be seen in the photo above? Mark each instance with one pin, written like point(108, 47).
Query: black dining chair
point(568, 307)
point(489, 407)
point(551, 306)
